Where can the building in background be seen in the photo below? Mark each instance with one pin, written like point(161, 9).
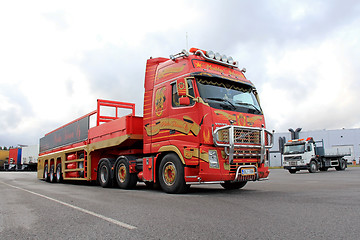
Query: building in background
point(341, 138)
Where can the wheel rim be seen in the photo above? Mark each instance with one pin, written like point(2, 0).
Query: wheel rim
point(122, 172)
point(169, 173)
point(313, 166)
point(45, 172)
point(103, 174)
point(58, 174)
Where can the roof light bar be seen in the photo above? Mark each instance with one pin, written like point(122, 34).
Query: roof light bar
point(216, 57)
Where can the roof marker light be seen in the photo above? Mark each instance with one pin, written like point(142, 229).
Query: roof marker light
point(217, 56)
point(230, 60)
point(210, 54)
point(224, 58)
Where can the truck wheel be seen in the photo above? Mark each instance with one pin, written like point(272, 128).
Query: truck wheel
point(292, 171)
point(124, 178)
point(171, 174)
point(46, 174)
point(58, 173)
point(233, 185)
point(313, 167)
point(104, 174)
point(342, 165)
point(52, 174)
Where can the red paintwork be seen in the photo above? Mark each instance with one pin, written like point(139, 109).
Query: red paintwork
point(188, 129)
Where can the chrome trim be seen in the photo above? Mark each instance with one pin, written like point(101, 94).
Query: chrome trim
point(231, 145)
point(238, 176)
point(236, 65)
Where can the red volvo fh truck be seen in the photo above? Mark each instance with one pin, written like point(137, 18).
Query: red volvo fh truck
point(202, 123)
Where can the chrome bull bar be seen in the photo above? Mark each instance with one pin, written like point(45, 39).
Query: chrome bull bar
point(235, 137)
point(246, 177)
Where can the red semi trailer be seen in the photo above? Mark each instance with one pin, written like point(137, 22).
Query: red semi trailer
point(202, 123)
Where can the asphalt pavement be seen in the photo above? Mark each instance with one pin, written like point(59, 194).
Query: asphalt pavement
point(322, 205)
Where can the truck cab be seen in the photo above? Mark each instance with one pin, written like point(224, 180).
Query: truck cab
point(298, 154)
point(203, 109)
point(301, 154)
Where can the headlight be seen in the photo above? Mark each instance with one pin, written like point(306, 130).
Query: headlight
point(213, 159)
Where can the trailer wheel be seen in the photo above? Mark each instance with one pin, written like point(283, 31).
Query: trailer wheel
point(171, 174)
point(313, 167)
point(342, 165)
point(58, 173)
point(229, 185)
point(104, 174)
point(52, 174)
point(46, 174)
point(292, 171)
point(124, 178)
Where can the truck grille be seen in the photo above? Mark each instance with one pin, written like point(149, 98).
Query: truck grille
point(241, 136)
point(234, 166)
point(237, 141)
point(292, 158)
point(247, 154)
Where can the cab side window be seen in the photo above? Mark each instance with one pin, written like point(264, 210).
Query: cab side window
point(308, 147)
point(175, 96)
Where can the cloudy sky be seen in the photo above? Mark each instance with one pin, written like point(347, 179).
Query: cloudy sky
point(58, 57)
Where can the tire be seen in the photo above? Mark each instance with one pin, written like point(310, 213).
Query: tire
point(229, 185)
point(52, 174)
point(124, 178)
point(292, 171)
point(342, 165)
point(58, 173)
point(313, 167)
point(171, 174)
point(46, 174)
point(104, 174)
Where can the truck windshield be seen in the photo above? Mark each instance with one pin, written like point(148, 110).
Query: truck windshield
point(228, 95)
point(291, 149)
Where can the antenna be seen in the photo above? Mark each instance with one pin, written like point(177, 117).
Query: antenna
point(187, 41)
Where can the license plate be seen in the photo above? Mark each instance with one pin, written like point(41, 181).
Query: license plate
point(293, 167)
point(247, 171)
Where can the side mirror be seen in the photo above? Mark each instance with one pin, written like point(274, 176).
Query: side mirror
point(185, 101)
point(182, 87)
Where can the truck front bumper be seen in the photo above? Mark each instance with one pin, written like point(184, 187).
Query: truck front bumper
point(297, 168)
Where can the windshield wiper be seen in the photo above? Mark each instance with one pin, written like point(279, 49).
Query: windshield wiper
point(249, 104)
point(222, 100)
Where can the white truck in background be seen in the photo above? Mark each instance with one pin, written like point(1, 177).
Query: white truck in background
point(301, 154)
